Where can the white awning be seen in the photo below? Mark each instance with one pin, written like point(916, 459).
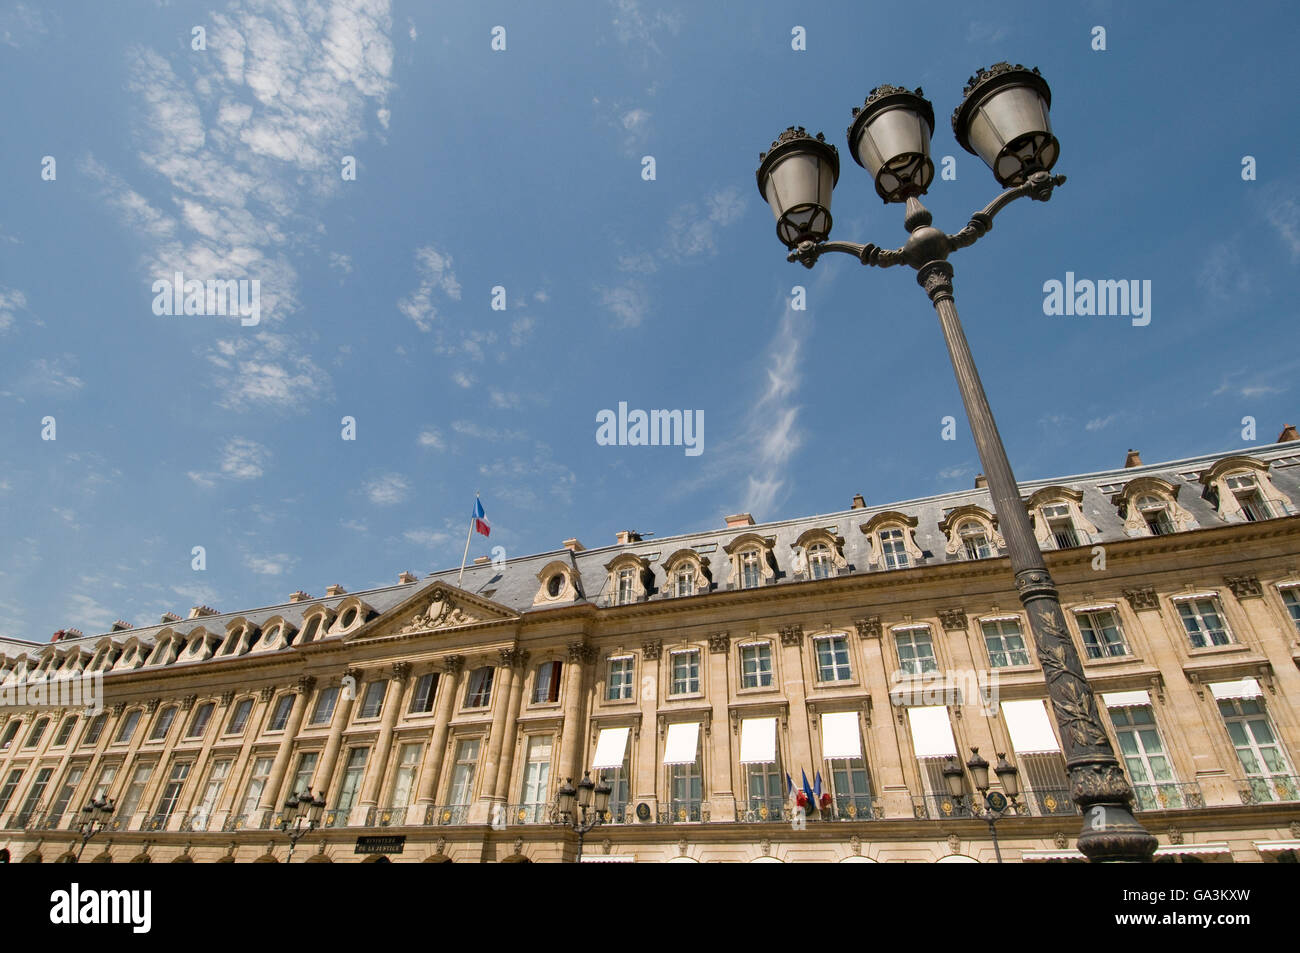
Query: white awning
point(1269, 846)
point(758, 741)
point(1028, 856)
point(840, 735)
point(1220, 847)
point(931, 731)
point(1030, 728)
point(1126, 699)
point(608, 859)
point(610, 748)
point(683, 743)
point(1242, 688)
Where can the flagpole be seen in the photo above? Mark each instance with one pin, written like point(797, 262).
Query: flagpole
point(468, 533)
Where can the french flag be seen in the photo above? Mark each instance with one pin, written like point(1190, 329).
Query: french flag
point(480, 524)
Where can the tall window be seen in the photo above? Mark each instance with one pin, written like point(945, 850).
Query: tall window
point(163, 724)
point(750, 574)
point(325, 702)
point(256, 784)
point(64, 797)
point(373, 702)
point(211, 793)
point(1061, 525)
point(620, 678)
point(832, 658)
point(65, 731)
point(11, 732)
point(763, 784)
point(280, 717)
point(38, 731)
point(106, 776)
point(1144, 756)
point(684, 581)
point(1203, 622)
point(125, 807)
point(34, 795)
point(686, 789)
point(1155, 513)
point(1291, 599)
point(1102, 635)
point(1245, 488)
point(309, 631)
point(686, 672)
point(172, 791)
point(351, 786)
point(239, 718)
point(974, 541)
point(546, 688)
point(306, 769)
point(127, 728)
point(479, 692)
point(1262, 759)
point(537, 772)
point(819, 561)
point(462, 775)
point(95, 729)
point(850, 787)
point(893, 549)
point(915, 650)
point(626, 586)
point(1005, 642)
point(199, 723)
point(408, 764)
point(10, 785)
point(619, 790)
point(756, 665)
point(426, 688)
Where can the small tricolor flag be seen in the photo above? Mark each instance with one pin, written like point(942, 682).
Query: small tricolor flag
point(480, 524)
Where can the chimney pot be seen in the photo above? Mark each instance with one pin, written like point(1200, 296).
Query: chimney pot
point(406, 577)
point(573, 546)
point(739, 519)
point(169, 617)
point(299, 596)
point(335, 590)
point(981, 481)
point(1134, 459)
point(858, 502)
point(120, 626)
point(1288, 434)
point(196, 611)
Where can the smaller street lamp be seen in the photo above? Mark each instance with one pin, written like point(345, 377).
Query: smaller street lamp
point(302, 814)
point(575, 809)
point(94, 818)
point(996, 804)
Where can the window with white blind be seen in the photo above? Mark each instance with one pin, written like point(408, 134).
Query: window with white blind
point(537, 776)
point(256, 784)
point(1149, 769)
point(408, 765)
point(611, 764)
point(1264, 762)
point(1038, 756)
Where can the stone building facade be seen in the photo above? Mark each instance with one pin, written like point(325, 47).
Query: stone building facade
point(695, 674)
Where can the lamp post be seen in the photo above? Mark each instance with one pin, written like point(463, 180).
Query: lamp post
point(1003, 118)
point(302, 814)
point(996, 804)
point(574, 808)
point(94, 818)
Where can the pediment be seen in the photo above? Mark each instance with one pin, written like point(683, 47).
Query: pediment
point(438, 608)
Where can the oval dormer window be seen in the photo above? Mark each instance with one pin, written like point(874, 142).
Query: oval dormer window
point(555, 585)
point(348, 618)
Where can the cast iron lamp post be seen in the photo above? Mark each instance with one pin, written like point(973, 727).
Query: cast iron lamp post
point(575, 809)
point(996, 804)
point(302, 814)
point(1003, 118)
point(95, 817)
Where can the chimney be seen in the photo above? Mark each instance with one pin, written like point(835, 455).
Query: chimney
point(739, 519)
point(335, 590)
point(196, 611)
point(169, 617)
point(981, 481)
point(1288, 434)
point(407, 576)
point(119, 626)
point(298, 596)
point(73, 633)
point(573, 546)
point(58, 635)
point(858, 502)
point(480, 560)
point(628, 536)
point(1134, 459)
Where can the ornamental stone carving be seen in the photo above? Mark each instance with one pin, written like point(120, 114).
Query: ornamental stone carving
point(267, 693)
point(152, 704)
point(868, 628)
point(1244, 587)
point(401, 670)
point(953, 620)
point(121, 707)
point(305, 684)
point(792, 634)
point(453, 664)
point(581, 652)
point(226, 698)
point(188, 702)
point(441, 613)
point(1061, 841)
point(652, 650)
point(719, 643)
point(1143, 598)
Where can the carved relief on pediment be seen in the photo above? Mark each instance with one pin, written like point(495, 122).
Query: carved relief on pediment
point(441, 613)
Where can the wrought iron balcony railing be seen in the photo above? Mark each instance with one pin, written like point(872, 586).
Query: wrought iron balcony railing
point(854, 807)
point(1047, 802)
point(1280, 787)
point(938, 807)
point(393, 816)
point(1167, 796)
point(446, 814)
point(758, 810)
point(543, 813)
point(684, 812)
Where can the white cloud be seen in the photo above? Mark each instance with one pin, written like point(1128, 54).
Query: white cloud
point(628, 303)
point(435, 274)
point(503, 400)
point(462, 379)
point(11, 301)
point(1283, 213)
point(271, 565)
point(1099, 423)
point(431, 438)
point(244, 459)
point(340, 262)
point(426, 537)
point(520, 331)
point(387, 489)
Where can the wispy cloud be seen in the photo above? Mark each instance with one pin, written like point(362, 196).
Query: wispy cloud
point(273, 565)
point(240, 459)
point(431, 438)
point(1283, 213)
point(468, 428)
point(11, 302)
point(1100, 423)
point(426, 537)
point(628, 304)
point(435, 276)
point(387, 489)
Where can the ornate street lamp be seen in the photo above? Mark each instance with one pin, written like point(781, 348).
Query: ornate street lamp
point(94, 818)
point(302, 815)
point(996, 804)
point(1003, 118)
point(575, 809)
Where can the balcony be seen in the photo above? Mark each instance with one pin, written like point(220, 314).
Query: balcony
point(854, 807)
point(939, 807)
point(685, 812)
point(1278, 788)
point(517, 814)
point(453, 814)
point(1049, 802)
point(758, 810)
point(393, 816)
point(1167, 797)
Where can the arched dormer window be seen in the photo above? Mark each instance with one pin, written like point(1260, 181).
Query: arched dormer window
point(314, 625)
point(200, 645)
point(133, 656)
point(352, 613)
point(892, 536)
point(972, 533)
point(630, 579)
point(558, 582)
point(74, 663)
point(1243, 491)
point(167, 649)
point(819, 554)
point(687, 573)
point(1149, 506)
point(18, 670)
point(276, 634)
point(107, 653)
point(1057, 514)
point(753, 563)
point(241, 635)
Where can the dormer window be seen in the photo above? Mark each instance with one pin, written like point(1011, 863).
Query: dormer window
point(558, 581)
point(554, 585)
point(310, 629)
point(1155, 513)
point(684, 582)
point(1061, 525)
point(753, 563)
point(819, 561)
point(1058, 517)
point(893, 543)
point(1253, 505)
point(1243, 490)
point(893, 550)
point(750, 572)
point(348, 618)
point(626, 586)
point(974, 541)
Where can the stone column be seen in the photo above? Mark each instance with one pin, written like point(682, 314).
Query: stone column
point(645, 763)
point(575, 727)
point(502, 689)
point(518, 660)
point(884, 737)
point(721, 790)
point(379, 757)
point(271, 798)
point(342, 714)
point(198, 774)
point(793, 687)
point(449, 686)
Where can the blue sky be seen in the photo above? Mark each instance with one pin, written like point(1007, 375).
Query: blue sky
point(522, 168)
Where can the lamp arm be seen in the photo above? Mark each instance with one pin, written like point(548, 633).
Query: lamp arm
point(1039, 188)
point(807, 253)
